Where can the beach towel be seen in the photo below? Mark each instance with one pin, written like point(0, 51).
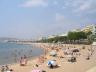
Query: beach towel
point(35, 70)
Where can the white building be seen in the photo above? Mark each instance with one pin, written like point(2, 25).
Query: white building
point(89, 28)
point(51, 36)
point(65, 34)
point(94, 29)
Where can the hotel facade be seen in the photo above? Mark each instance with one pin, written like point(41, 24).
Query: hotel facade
point(89, 28)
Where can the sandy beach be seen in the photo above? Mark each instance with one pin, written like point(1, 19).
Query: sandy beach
point(82, 64)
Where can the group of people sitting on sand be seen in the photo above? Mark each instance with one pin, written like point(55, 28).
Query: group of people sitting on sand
point(23, 62)
point(6, 69)
point(70, 53)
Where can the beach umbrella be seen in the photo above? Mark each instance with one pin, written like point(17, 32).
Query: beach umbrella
point(53, 53)
point(49, 63)
point(36, 70)
point(53, 62)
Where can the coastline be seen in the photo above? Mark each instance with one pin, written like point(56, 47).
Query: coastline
point(64, 65)
point(23, 46)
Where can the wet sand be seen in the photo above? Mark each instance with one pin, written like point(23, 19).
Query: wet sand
point(81, 64)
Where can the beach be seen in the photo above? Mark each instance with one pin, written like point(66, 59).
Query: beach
point(82, 64)
point(11, 52)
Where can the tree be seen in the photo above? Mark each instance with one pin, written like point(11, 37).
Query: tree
point(76, 35)
point(88, 33)
point(73, 36)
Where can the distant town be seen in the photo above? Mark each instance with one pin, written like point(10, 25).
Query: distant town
point(88, 29)
point(85, 35)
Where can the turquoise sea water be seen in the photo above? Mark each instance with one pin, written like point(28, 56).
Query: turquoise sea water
point(11, 52)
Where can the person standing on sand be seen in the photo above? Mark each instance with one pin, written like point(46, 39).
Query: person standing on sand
point(23, 61)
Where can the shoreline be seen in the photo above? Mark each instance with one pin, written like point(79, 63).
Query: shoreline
point(31, 63)
point(17, 61)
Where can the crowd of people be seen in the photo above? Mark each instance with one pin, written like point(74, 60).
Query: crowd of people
point(66, 50)
point(6, 69)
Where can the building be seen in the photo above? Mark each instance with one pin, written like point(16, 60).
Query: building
point(90, 28)
point(76, 30)
point(94, 30)
point(64, 34)
point(51, 36)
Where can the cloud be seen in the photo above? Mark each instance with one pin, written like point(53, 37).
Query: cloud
point(80, 6)
point(83, 6)
point(34, 3)
point(86, 6)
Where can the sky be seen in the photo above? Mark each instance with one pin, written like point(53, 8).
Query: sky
point(37, 18)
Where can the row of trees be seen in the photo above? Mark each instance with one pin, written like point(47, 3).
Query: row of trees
point(77, 35)
point(72, 37)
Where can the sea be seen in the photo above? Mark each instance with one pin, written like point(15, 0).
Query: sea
point(12, 52)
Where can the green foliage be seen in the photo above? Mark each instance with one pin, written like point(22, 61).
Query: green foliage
point(55, 39)
point(76, 35)
point(72, 37)
point(89, 33)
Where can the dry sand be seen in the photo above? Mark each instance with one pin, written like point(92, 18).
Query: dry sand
point(81, 65)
